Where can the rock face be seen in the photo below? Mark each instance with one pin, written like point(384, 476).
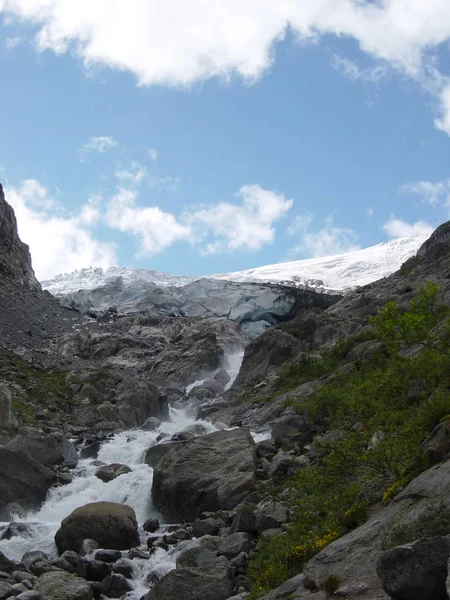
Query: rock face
point(110, 524)
point(22, 480)
point(208, 473)
point(15, 258)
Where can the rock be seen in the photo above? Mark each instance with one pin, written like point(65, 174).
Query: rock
point(151, 424)
point(198, 556)
point(416, 571)
point(436, 447)
point(291, 428)
point(51, 449)
point(236, 543)
point(266, 448)
point(292, 588)
point(265, 355)
point(115, 586)
point(210, 526)
point(91, 449)
point(209, 473)
point(63, 586)
point(72, 563)
point(22, 480)
point(280, 464)
point(244, 520)
point(96, 570)
point(108, 556)
point(188, 556)
point(138, 400)
point(31, 595)
point(157, 452)
point(110, 472)
point(151, 525)
point(7, 417)
point(123, 567)
point(197, 583)
point(6, 590)
point(110, 524)
point(270, 515)
point(29, 558)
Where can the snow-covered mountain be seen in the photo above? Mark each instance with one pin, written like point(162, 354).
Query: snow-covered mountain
point(328, 273)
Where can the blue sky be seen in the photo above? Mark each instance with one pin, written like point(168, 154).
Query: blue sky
point(192, 138)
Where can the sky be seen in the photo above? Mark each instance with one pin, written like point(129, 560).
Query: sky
point(201, 136)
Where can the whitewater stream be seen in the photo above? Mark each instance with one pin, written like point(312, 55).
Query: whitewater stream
point(133, 489)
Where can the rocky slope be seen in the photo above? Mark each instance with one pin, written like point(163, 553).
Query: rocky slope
point(156, 468)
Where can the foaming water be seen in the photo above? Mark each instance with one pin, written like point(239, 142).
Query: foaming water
point(233, 363)
point(133, 488)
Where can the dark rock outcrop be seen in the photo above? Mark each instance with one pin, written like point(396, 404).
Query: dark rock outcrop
point(22, 480)
point(110, 524)
point(208, 473)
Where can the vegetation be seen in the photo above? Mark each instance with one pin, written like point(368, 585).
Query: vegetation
point(383, 410)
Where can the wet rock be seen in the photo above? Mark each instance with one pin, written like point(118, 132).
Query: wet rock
point(72, 563)
point(123, 567)
point(197, 583)
point(97, 570)
point(416, 571)
point(108, 556)
point(63, 586)
point(91, 449)
point(110, 472)
point(29, 558)
point(51, 449)
point(110, 524)
point(210, 473)
point(115, 586)
point(151, 525)
point(151, 424)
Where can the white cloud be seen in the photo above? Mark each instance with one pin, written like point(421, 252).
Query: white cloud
point(430, 192)
point(396, 228)
point(58, 242)
point(97, 144)
point(236, 38)
point(327, 241)
point(249, 225)
point(353, 72)
point(12, 42)
point(370, 212)
point(153, 153)
point(154, 229)
point(165, 184)
point(134, 175)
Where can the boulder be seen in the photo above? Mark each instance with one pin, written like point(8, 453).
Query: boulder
point(157, 452)
point(236, 543)
point(7, 416)
point(110, 472)
point(50, 450)
point(22, 480)
point(270, 515)
point(115, 586)
point(416, 571)
point(437, 445)
point(151, 424)
point(137, 400)
point(291, 428)
point(60, 585)
point(209, 473)
point(265, 355)
point(194, 583)
point(110, 524)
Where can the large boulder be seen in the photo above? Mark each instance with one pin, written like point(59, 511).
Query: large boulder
point(416, 571)
point(194, 583)
point(155, 453)
point(139, 400)
point(49, 449)
point(265, 355)
point(59, 585)
point(22, 480)
point(209, 473)
point(110, 524)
